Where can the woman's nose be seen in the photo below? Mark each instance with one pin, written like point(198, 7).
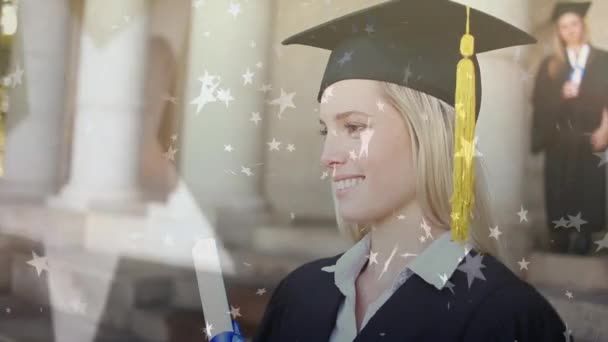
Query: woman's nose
point(334, 152)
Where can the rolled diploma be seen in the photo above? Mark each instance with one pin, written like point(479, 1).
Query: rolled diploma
point(211, 286)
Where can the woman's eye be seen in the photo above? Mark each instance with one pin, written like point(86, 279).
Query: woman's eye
point(323, 132)
point(354, 128)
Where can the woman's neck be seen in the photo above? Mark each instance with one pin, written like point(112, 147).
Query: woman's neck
point(576, 47)
point(405, 233)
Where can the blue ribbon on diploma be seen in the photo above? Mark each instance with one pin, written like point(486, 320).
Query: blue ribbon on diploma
point(230, 336)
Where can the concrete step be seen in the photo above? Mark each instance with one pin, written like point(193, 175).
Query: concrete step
point(305, 242)
point(23, 321)
point(112, 288)
point(585, 314)
point(583, 274)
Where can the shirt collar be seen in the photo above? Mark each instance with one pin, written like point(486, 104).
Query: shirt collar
point(435, 264)
point(582, 57)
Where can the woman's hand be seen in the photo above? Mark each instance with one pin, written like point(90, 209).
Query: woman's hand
point(599, 138)
point(570, 90)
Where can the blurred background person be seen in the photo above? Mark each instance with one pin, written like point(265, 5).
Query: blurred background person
point(570, 124)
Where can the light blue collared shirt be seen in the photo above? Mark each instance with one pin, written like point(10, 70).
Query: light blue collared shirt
point(435, 265)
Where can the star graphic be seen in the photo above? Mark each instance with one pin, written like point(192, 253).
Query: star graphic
point(255, 118)
point(426, 228)
point(265, 88)
point(422, 239)
point(353, 155)
point(170, 98)
point(174, 137)
point(246, 171)
point(523, 215)
point(387, 262)
point(380, 105)
point(495, 232)
point(401, 217)
point(40, 263)
point(324, 175)
point(569, 295)
point(603, 243)
point(206, 93)
point(235, 9)
point(228, 148)
point(567, 334)
point(274, 144)
point(248, 77)
point(208, 329)
point(523, 264)
point(576, 222)
point(603, 157)
point(562, 222)
point(225, 96)
point(77, 306)
point(17, 76)
point(261, 291)
point(467, 151)
point(291, 147)
point(472, 267)
point(235, 312)
point(407, 255)
point(348, 56)
point(372, 258)
point(170, 154)
point(444, 278)
point(450, 286)
point(369, 28)
point(259, 65)
point(407, 73)
point(284, 101)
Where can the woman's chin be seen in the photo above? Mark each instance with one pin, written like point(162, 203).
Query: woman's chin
point(353, 217)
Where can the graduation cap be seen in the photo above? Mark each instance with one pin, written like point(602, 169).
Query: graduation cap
point(562, 8)
point(426, 45)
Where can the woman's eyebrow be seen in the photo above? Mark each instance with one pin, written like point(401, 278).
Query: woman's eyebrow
point(343, 115)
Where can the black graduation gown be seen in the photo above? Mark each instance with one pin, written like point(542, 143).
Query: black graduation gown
point(304, 308)
point(573, 181)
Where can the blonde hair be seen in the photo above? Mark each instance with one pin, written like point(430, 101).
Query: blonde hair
point(430, 123)
point(558, 61)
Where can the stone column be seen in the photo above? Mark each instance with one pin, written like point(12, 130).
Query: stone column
point(219, 139)
point(37, 86)
point(109, 105)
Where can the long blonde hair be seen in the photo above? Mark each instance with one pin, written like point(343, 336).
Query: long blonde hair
point(430, 123)
point(558, 59)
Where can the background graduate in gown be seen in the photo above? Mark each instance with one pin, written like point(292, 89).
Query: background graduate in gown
point(398, 105)
point(570, 124)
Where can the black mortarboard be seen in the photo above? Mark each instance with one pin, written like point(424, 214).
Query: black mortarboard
point(561, 8)
point(426, 45)
point(414, 43)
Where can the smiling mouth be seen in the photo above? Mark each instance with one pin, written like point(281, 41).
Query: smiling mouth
point(346, 185)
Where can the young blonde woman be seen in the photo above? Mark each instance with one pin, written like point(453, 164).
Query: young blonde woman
point(387, 118)
point(571, 126)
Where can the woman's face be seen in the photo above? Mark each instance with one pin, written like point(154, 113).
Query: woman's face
point(367, 150)
point(571, 28)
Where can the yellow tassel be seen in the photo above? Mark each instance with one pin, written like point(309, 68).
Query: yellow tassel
point(464, 148)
